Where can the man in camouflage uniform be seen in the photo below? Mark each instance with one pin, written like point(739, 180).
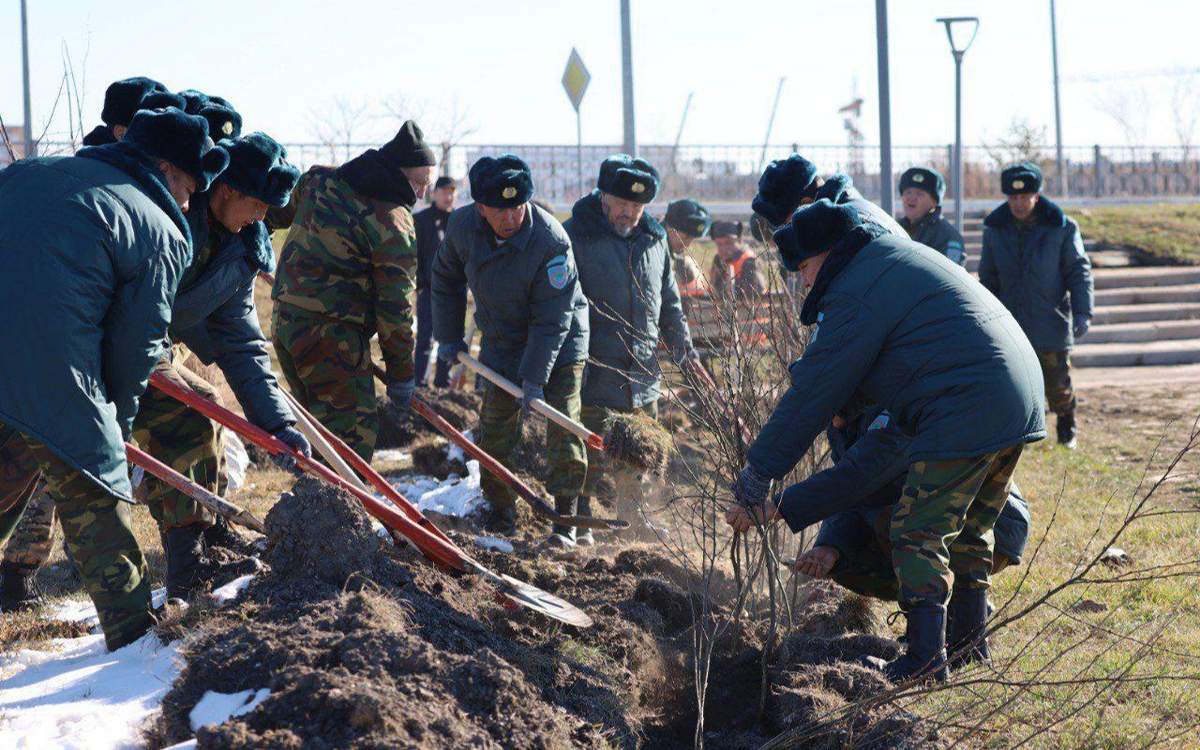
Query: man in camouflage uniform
point(94, 305)
point(27, 550)
point(346, 273)
point(517, 261)
point(628, 278)
point(921, 191)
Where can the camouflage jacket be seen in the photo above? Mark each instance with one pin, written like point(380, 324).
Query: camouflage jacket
point(351, 255)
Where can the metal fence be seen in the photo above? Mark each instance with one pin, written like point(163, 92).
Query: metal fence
point(729, 173)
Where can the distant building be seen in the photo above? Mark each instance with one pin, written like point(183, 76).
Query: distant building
point(12, 137)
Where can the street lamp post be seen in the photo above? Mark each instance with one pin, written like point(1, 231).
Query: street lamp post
point(1064, 188)
point(958, 52)
point(30, 147)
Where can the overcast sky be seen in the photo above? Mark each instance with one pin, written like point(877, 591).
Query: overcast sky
point(284, 63)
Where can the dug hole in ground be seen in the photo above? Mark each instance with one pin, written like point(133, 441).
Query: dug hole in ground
point(346, 641)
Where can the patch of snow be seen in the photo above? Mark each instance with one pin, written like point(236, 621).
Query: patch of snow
point(230, 591)
point(237, 461)
point(455, 453)
point(78, 695)
point(185, 745)
point(392, 454)
point(82, 610)
point(217, 708)
point(496, 543)
point(455, 496)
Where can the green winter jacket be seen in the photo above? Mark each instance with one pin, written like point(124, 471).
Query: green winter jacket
point(630, 284)
point(528, 302)
point(933, 230)
point(92, 248)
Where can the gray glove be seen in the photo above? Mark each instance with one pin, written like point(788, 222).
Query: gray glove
point(1081, 325)
point(751, 488)
point(292, 438)
point(529, 392)
point(400, 392)
point(448, 350)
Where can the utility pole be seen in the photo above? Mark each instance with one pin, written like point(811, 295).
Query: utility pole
point(679, 133)
point(958, 50)
point(885, 109)
point(627, 80)
point(1063, 182)
point(30, 147)
point(770, 124)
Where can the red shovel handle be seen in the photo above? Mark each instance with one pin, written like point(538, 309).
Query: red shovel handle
point(434, 546)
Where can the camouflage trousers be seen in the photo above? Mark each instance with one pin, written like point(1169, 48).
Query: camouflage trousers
point(941, 528)
point(1056, 371)
point(611, 480)
point(500, 432)
point(96, 530)
point(185, 440)
point(327, 365)
point(867, 569)
point(32, 540)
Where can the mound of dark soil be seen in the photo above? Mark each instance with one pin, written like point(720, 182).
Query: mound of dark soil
point(399, 428)
point(318, 531)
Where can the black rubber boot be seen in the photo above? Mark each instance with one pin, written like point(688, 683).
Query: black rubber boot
point(583, 536)
point(965, 622)
point(563, 536)
point(185, 560)
point(925, 657)
point(17, 590)
point(1066, 430)
point(503, 520)
point(221, 534)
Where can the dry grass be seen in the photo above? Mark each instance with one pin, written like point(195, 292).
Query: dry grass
point(1165, 233)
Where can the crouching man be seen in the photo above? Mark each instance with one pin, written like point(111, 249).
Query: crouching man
point(902, 327)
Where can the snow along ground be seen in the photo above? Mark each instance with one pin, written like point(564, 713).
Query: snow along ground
point(71, 693)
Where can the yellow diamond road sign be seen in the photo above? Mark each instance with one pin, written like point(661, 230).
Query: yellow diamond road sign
point(575, 79)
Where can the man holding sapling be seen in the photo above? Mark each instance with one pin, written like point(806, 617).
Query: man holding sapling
point(901, 326)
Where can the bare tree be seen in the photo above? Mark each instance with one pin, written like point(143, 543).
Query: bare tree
point(338, 126)
point(448, 125)
point(1022, 141)
point(1128, 107)
point(1185, 109)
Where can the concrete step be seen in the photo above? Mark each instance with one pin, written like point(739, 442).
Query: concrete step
point(1142, 313)
point(1119, 278)
point(1139, 333)
point(1148, 295)
point(1129, 355)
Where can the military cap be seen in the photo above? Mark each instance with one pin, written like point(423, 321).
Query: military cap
point(407, 148)
point(814, 229)
point(180, 138)
point(445, 182)
point(259, 168)
point(501, 182)
point(784, 183)
point(924, 178)
point(122, 99)
point(164, 99)
point(687, 216)
point(101, 135)
point(1025, 177)
point(726, 229)
point(628, 177)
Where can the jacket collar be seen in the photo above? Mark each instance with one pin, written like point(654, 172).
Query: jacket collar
point(1046, 213)
point(144, 171)
point(839, 257)
point(837, 189)
point(371, 174)
point(930, 218)
point(255, 239)
point(519, 241)
point(588, 212)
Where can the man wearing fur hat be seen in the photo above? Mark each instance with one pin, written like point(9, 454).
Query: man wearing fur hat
point(345, 274)
point(734, 272)
point(103, 302)
point(628, 278)
point(1033, 261)
point(687, 221)
point(122, 100)
point(921, 191)
point(516, 259)
point(214, 315)
point(907, 330)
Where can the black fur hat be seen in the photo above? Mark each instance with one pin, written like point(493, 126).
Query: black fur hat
point(688, 216)
point(628, 177)
point(501, 182)
point(1025, 177)
point(122, 99)
point(782, 186)
point(162, 100)
point(258, 167)
point(180, 138)
point(924, 178)
point(814, 229)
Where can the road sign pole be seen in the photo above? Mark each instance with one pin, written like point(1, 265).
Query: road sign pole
point(579, 149)
point(575, 82)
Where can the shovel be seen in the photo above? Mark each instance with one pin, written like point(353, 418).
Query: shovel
point(540, 507)
point(402, 518)
point(215, 503)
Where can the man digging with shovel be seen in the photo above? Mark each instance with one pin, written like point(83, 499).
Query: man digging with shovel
point(516, 259)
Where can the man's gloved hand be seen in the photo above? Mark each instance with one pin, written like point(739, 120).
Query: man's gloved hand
point(448, 350)
point(743, 518)
point(400, 392)
point(529, 392)
point(1081, 324)
point(292, 438)
point(751, 488)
